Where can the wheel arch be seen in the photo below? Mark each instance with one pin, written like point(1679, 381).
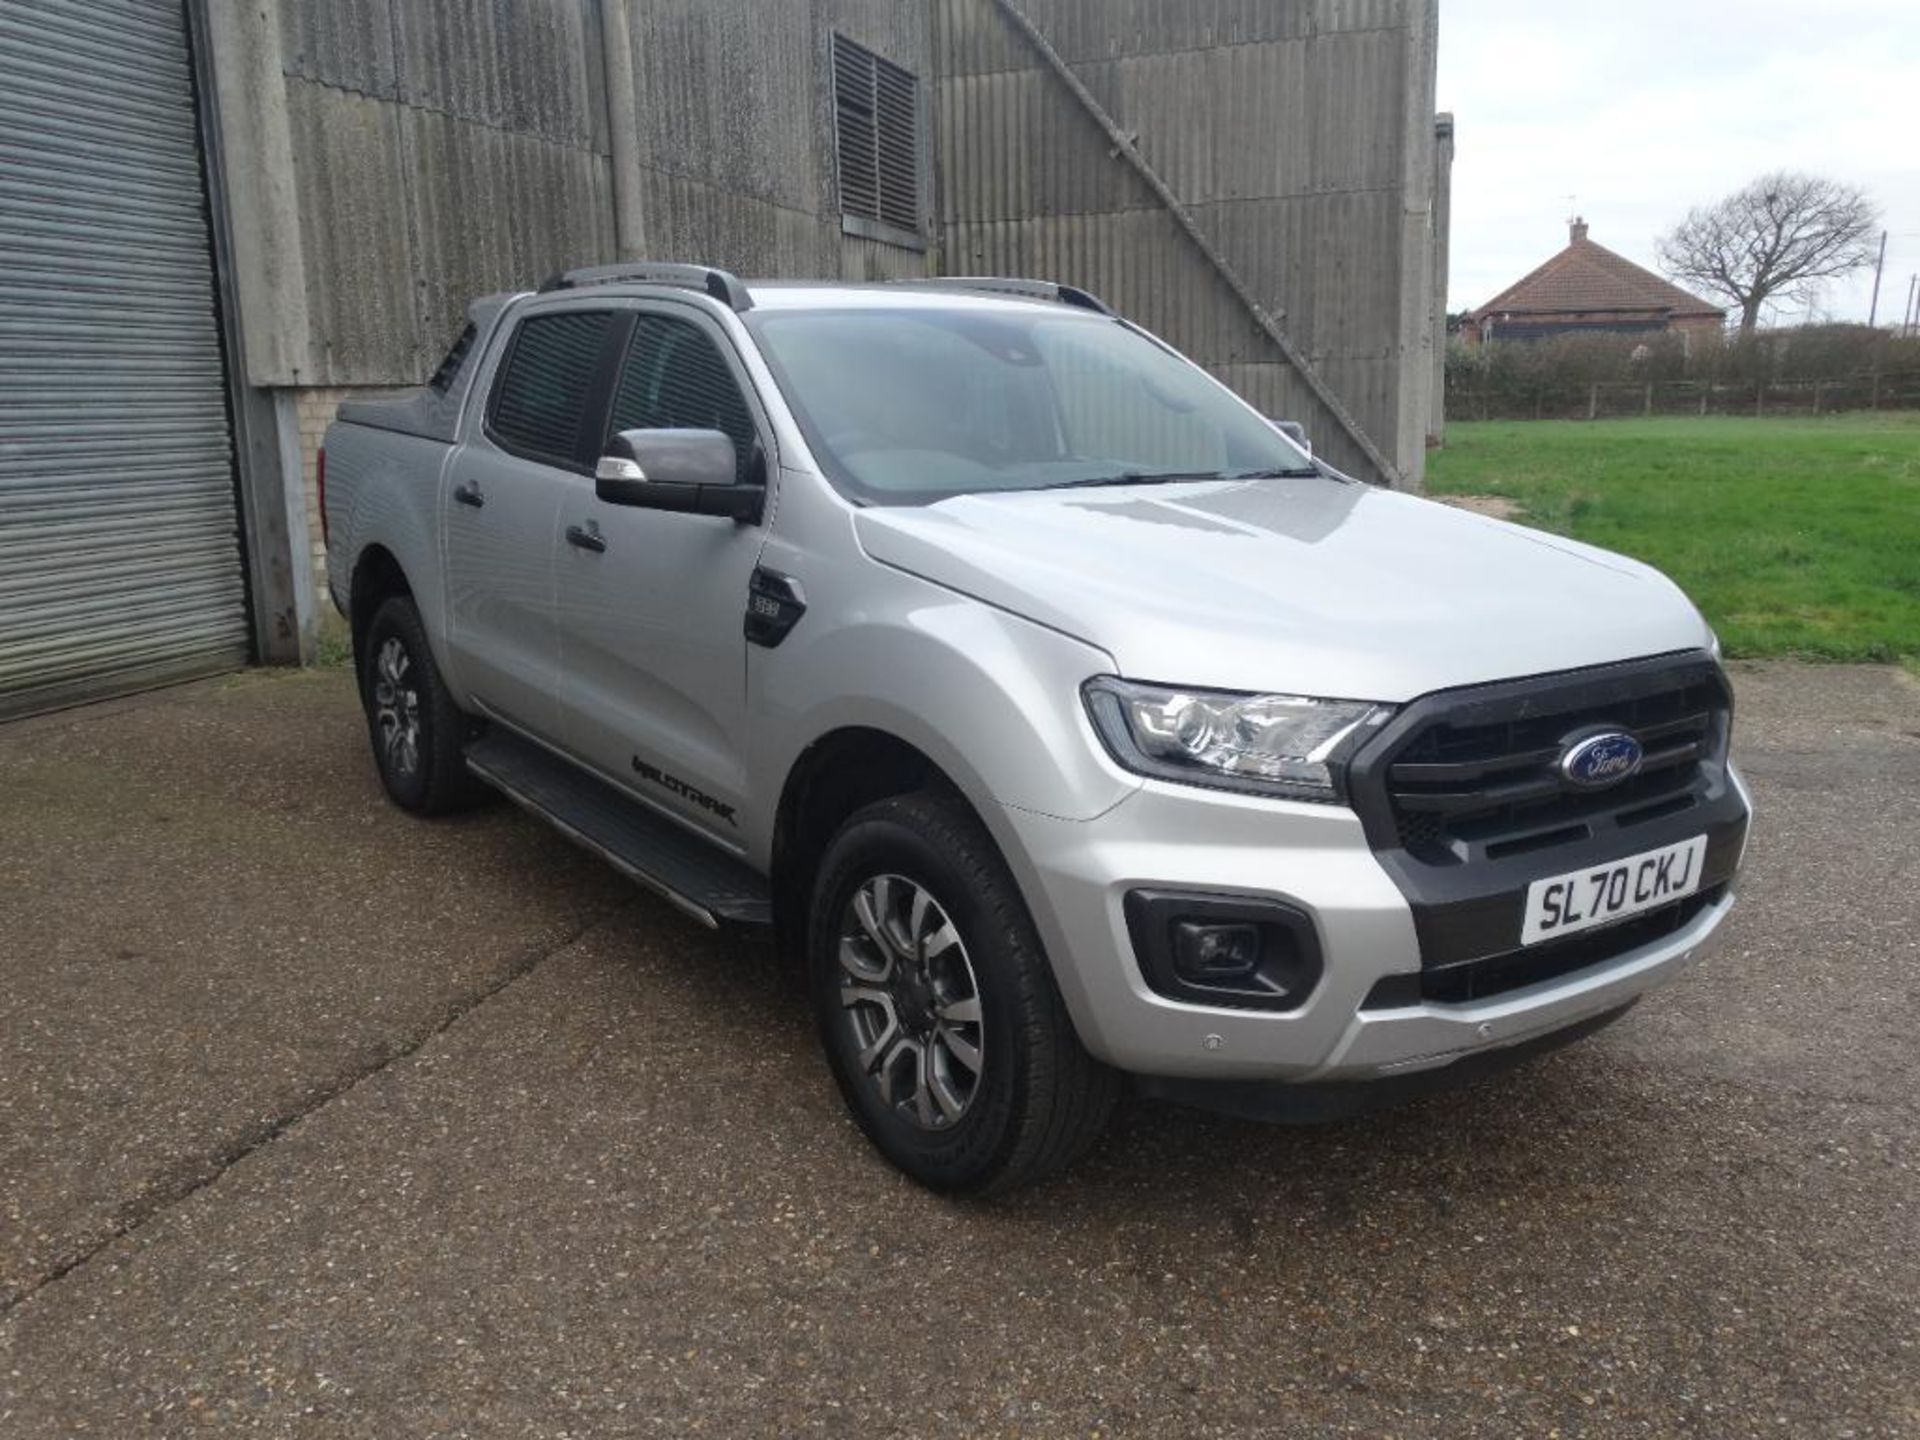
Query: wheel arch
point(377, 577)
point(836, 774)
point(1052, 1097)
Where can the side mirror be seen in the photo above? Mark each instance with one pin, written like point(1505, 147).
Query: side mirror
point(692, 472)
point(1294, 431)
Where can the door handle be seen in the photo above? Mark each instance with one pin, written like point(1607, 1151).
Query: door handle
point(587, 537)
point(468, 493)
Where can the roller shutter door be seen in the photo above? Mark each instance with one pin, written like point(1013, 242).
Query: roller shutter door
point(120, 561)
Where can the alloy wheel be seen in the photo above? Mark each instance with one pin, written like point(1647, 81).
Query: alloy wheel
point(396, 706)
point(910, 1001)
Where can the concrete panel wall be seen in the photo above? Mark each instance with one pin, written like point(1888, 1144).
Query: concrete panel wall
point(1298, 134)
point(1442, 235)
point(1413, 349)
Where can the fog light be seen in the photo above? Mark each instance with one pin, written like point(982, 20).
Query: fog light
point(1240, 952)
point(1206, 952)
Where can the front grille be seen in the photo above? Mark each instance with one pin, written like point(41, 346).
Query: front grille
point(1482, 781)
point(1552, 960)
point(1463, 805)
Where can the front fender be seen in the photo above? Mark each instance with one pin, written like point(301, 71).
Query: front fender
point(992, 699)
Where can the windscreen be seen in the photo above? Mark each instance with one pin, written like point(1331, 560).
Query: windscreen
point(909, 405)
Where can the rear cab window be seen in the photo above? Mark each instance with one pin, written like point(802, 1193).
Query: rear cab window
point(544, 390)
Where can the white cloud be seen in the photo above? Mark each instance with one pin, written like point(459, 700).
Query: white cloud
point(1640, 109)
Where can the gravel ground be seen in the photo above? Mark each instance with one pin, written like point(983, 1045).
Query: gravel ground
point(316, 1120)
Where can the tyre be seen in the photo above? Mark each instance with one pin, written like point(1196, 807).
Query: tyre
point(938, 1010)
point(416, 729)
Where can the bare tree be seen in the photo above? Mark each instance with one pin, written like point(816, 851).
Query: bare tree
point(1778, 237)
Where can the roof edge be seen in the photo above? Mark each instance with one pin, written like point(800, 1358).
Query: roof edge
point(1502, 303)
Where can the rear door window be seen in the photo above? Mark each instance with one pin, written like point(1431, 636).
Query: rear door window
point(545, 385)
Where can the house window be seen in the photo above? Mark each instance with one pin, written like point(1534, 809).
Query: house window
point(876, 110)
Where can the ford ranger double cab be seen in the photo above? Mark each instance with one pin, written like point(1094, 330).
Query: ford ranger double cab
point(1055, 708)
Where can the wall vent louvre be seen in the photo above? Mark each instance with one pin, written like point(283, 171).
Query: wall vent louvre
point(876, 137)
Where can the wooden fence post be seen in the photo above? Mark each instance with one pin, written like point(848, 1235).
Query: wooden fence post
point(1647, 409)
point(1593, 399)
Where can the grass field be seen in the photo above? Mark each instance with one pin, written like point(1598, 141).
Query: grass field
point(1795, 537)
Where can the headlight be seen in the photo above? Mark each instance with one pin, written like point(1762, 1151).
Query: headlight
point(1267, 744)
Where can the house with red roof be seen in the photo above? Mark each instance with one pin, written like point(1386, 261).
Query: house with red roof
point(1587, 289)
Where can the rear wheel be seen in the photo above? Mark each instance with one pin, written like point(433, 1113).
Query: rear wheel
point(416, 729)
point(937, 1008)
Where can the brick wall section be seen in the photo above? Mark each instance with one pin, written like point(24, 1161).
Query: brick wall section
point(315, 408)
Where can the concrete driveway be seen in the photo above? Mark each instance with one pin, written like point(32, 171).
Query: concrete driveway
point(318, 1120)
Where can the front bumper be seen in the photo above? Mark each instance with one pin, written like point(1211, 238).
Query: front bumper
point(1308, 1102)
point(1318, 859)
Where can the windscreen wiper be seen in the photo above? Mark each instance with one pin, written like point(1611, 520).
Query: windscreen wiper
point(1137, 477)
point(1169, 477)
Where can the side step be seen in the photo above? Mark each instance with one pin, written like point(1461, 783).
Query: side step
point(699, 878)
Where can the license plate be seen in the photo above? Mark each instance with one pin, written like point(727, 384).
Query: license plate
point(1583, 899)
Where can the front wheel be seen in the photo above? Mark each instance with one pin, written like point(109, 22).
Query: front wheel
point(939, 1014)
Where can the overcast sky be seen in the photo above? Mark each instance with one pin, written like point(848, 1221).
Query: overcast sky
point(1640, 108)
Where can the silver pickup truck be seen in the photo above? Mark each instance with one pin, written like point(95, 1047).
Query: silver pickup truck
point(1066, 720)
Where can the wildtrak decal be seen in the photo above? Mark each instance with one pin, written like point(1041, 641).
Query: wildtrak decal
point(674, 785)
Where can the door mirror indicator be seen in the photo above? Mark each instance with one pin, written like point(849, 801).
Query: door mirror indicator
point(617, 467)
point(693, 472)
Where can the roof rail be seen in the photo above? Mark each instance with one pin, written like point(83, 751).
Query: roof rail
point(720, 284)
point(1008, 285)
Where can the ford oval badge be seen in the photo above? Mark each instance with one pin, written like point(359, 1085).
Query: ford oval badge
point(1601, 760)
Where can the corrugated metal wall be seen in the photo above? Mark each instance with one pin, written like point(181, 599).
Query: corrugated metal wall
point(1282, 125)
point(119, 550)
point(441, 150)
point(736, 131)
point(444, 149)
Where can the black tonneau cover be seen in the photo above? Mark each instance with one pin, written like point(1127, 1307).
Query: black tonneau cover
point(424, 411)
